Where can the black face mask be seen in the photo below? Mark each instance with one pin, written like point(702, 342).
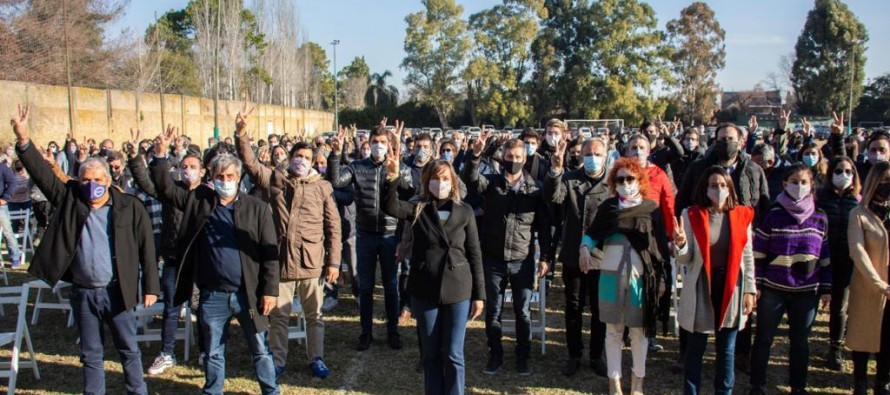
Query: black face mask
point(726, 150)
point(512, 167)
point(882, 193)
point(103, 152)
point(576, 162)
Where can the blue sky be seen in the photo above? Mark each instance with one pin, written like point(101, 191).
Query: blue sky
point(758, 32)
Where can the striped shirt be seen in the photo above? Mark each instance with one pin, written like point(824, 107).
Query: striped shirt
point(792, 257)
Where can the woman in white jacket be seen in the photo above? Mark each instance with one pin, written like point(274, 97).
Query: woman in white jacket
point(718, 288)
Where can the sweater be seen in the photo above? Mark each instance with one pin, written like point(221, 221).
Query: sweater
point(792, 257)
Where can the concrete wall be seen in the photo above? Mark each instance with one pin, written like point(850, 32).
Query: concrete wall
point(101, 114)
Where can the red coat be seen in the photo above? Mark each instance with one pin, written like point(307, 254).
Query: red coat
point(661, 191)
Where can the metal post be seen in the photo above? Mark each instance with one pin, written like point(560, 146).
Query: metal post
point(336, 88)
point(850, 103)
point(216, 75)
point(68, 68)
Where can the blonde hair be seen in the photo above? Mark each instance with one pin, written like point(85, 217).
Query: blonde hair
point(555, 123)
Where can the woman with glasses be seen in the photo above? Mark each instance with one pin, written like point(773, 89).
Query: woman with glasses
point(869, 324)
point(622, 242)
point(837, 198)
point(791, 264)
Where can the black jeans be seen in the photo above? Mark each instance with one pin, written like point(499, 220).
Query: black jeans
point(837, 319)
point(521, 275)
point(581, 289)
point(860, 359)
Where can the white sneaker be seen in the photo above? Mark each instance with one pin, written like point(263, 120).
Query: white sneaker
point(161, 363)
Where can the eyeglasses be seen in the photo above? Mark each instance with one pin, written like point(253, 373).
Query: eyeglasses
point(624, 180)
point(848, 172)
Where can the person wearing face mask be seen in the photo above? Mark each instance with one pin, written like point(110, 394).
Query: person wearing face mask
point(191, 171)
point(535, 163)
point(279, 158)
point(837, 198)
point(98, 240)
point(579, 193)
point(791, 257)
point(10, 181)
point(446, 284)
point(665, 149)
point(877, 150)
point(375, 231)
point(811, 156)
point(120, 175)
point(554, 133)
point(714, 242)
point(868, 328)
point(623, 243)
point(305, 211)
point(692, 151)
point(345, 199)
point(228, 247)
point(514, 213)
point(575, 158)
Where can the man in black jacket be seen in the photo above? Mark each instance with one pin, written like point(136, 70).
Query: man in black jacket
point(513, 212)
point(376, 232)
point(96, 240)
point(191, 171)
point(579, 193)
point(226, 245)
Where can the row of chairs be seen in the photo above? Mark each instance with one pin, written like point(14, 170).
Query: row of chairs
point(17, 296)
point(24, 239)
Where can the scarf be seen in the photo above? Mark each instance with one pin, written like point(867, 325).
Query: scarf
point(624, 203)
point(799, 210)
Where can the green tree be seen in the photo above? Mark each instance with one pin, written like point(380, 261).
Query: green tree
point(699, 54)
point(436, 43)
point(501, 61)
point(874, 105)
point(354, 80)
point(380, 94)
point(829, 51)
point(320, 76)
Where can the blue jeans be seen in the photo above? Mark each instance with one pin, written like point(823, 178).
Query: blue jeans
point(171, 311)
point(217, 310)
point(724, 377)
point(521, 275)
point(94, 307)
point(370, 248)
point(6, 228)
point(442, 329)
point(801, 308)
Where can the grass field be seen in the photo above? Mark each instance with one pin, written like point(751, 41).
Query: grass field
point(384, 371)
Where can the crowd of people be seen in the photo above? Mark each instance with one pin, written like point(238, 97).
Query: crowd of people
point(759, 225)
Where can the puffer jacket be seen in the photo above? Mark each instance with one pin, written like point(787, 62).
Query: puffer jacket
point(510, 219)
point(367, 177)
point(838, 208)
point(305, 215)
point(747, 177)
point(579, 197)
point(171, 217)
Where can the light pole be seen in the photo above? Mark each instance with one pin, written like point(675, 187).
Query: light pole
point(336, 87)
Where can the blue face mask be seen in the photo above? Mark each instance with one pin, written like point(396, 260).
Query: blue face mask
point(810, 160)
point(593, 164)
point(448, 156)
point(530, 149)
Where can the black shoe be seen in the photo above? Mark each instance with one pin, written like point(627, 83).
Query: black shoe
point(835, 361)
point(494, 364)
point(571, 367)
point(800, 391)
point(522, 367)
point(756, 391)
point(860, 387)
point(395, 341)
point(599, 367)
point(364, 342)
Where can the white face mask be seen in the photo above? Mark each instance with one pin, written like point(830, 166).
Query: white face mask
point(718, 195)
point(366, 153)
point(225, 189)
point(379, 150)
point(189, 175)
point(877, 157)
point(842, 181)
point(797, 192)
point(440, 190)
point(628, 190)
point(552, 139)
point(422, 155)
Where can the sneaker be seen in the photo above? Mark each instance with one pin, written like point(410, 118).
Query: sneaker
point(161, 363)
point(329, 304)
point(364, 342)
point(654, 347)
point(395, 341)
point(599, 367)
point(319, 369)
point(279, 370)
point(494, 364)
point(522, 367)
point(571, 367)
point(17, 263)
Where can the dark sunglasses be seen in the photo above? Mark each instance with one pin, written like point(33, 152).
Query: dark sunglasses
point(623, 180)
point(843, 171)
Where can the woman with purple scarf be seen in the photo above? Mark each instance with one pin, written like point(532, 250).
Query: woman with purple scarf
point(792, 272)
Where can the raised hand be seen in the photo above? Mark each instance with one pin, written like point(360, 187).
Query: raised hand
point(558, 158)
point(383, 122)
point(752, 123)
point(675, 125)
point(807, 128)
point(479, 144)
point(397, 131)
point(48, 155)
point(337, 141)
point(679, 232)
point(19, 123)
point(837, 127)
point(164, 141)
point(392, 163)
point(241, 119)
point(783, 119)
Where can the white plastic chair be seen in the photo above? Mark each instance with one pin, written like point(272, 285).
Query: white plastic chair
point(61, 302)
point(537, 313)
point(10, 370)
point(298, 330)
point(25, 239)
point(184, 331)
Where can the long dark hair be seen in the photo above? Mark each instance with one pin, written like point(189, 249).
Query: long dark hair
point(700, 198)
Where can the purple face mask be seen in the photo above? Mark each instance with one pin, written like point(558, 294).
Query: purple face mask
point(93, 190)
point(299, 166)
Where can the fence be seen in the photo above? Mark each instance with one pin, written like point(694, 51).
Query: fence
point(108, 113)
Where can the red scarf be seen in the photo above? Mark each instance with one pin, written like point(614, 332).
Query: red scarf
point(739, 219)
